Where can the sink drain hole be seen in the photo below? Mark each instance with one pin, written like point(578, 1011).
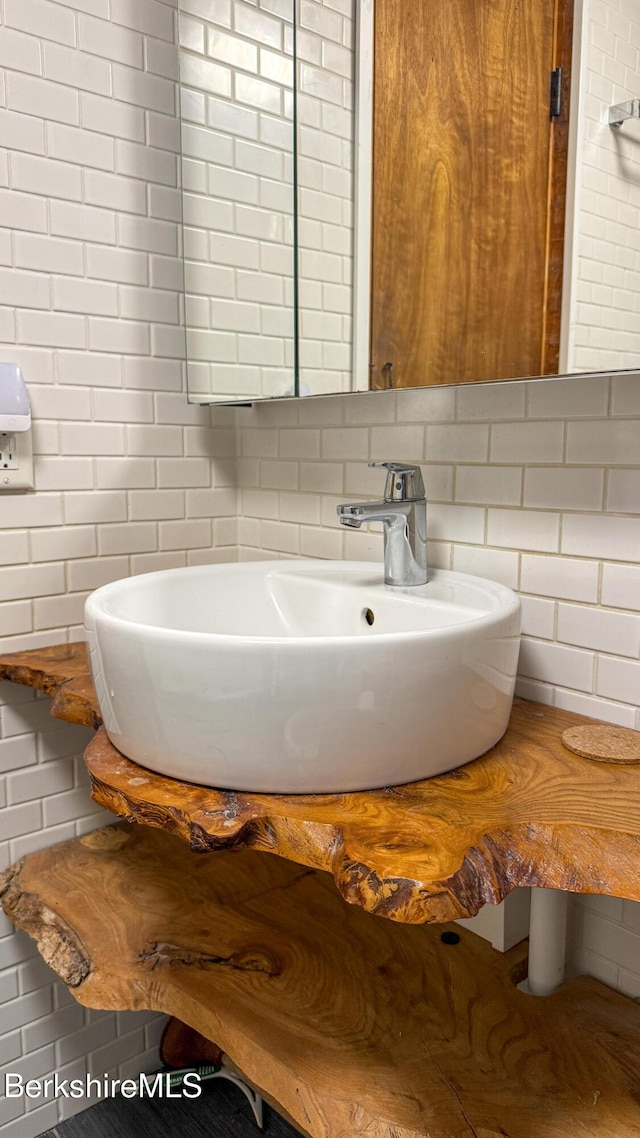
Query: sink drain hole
point(449, 938)
point(368, 616)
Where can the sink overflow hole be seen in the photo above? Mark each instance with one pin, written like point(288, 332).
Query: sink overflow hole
point(368, 616)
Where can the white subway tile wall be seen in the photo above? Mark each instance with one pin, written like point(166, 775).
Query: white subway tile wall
point(534, 484)
point(91, 290)
point(604, 324)
point(236, 71)
point(129, 478)
point(44, 799)
point(326, 78)
point(546, 500)
point(237, 170)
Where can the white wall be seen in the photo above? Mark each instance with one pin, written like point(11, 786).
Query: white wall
point(237, 146)
point(46, 799)
point(128, 476)
point(603, 312)
point(124, 478)
point(533, 483)
point(326, 51)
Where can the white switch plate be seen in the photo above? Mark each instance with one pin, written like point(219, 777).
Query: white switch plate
point(16, 461)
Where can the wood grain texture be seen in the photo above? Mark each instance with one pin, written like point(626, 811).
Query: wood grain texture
point(61, 672)
point(468, 190)
point(529, 812)
point(356, 1027)
point(76, 702)
point(46, 669)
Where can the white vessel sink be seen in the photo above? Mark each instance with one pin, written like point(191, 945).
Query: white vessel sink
point(302, 676)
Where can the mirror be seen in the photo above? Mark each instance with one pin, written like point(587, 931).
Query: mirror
point(508, 246)
point(237, 137)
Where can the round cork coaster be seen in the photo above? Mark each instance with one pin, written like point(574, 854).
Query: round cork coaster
point(604, 743)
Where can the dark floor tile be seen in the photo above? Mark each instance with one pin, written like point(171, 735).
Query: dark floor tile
point(222, 1111)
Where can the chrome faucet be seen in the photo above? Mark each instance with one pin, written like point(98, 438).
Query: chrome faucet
point(403, 513)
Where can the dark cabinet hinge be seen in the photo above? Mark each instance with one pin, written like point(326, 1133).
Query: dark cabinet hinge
point(555, 94)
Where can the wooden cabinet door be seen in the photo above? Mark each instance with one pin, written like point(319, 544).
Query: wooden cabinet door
point(468, 190)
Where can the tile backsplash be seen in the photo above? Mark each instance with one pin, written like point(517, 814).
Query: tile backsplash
point(532, 483)
point(128, 476)
point(90, 279)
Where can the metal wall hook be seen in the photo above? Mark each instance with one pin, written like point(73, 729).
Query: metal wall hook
point(623, 111)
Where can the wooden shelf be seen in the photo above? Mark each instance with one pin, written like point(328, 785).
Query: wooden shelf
point(529, 812)
point(353, 1026)
point(357, 1027)
point(61, 672)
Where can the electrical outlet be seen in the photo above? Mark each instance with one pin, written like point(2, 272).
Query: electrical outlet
point(8, 453)
point(16, 461)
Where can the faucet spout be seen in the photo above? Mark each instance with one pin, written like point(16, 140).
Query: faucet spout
point(355, 514)
point(351, 520)
point(404, 521)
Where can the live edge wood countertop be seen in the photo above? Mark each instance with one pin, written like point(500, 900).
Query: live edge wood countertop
point(355, 1026)
point(529, 812)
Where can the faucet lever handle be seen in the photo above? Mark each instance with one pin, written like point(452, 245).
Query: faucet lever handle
point(404, 482)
